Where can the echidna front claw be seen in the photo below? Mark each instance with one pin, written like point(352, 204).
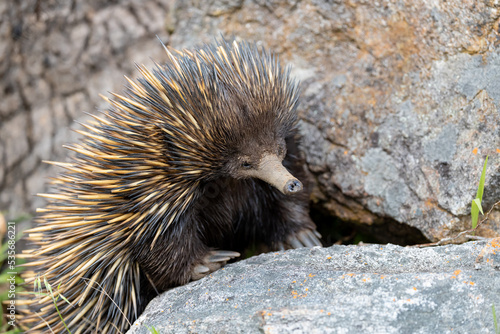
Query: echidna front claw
point(211, 262)
point(201, 269)
point(305, 238)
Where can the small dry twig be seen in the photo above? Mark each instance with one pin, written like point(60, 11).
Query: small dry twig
point(463, 233)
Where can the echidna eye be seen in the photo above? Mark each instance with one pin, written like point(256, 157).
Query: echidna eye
point(246, 165)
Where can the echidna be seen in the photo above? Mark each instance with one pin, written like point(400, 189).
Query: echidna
point(196, 156)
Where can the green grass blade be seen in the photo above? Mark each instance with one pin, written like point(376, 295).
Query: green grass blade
point(474, 212)
point(152, 330)
point(39, 282)
point(495, 319)
point(49, 288)
point(477, 201)
point(64, 298)
point(481, 182)
point(1, 318)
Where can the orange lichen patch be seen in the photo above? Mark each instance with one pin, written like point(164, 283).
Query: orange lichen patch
point(414, 288)
point(329, 258)
point(345, 152)
point(468, 282)
point(351, 274)
point(430, 203)
point(311, 275)
point(474, 151)
point(492, 247)
point(297, 295)
point(456, 273)
point(329, 313)
point(498, 150)
point(495, 243)
point(382, 277)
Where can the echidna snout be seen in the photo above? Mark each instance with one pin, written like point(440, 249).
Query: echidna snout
point(272, 171)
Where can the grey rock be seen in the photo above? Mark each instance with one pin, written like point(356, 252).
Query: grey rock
point(59, 117)
point(40, 151)
point(122, 28)
point(221, 7)
point(382, 180)
point(97, 53)
point(43, 125)
point(341, 289)
point(12, 199)
point(35, 184)
point(11, 99)
point(76, 104)
point(2, 165)
point(14, 135)
point(442, 148)
point(151, 16)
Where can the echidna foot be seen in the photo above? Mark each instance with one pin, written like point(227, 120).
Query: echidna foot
point(304, 238)
point(211, 262)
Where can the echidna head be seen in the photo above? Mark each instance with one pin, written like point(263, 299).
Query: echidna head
point(258, 152)
point(255, 103)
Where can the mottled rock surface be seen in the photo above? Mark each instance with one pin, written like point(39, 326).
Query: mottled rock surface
point(399, 105)
point(341, 289)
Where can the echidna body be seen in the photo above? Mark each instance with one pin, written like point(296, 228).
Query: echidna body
point(196, 156)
